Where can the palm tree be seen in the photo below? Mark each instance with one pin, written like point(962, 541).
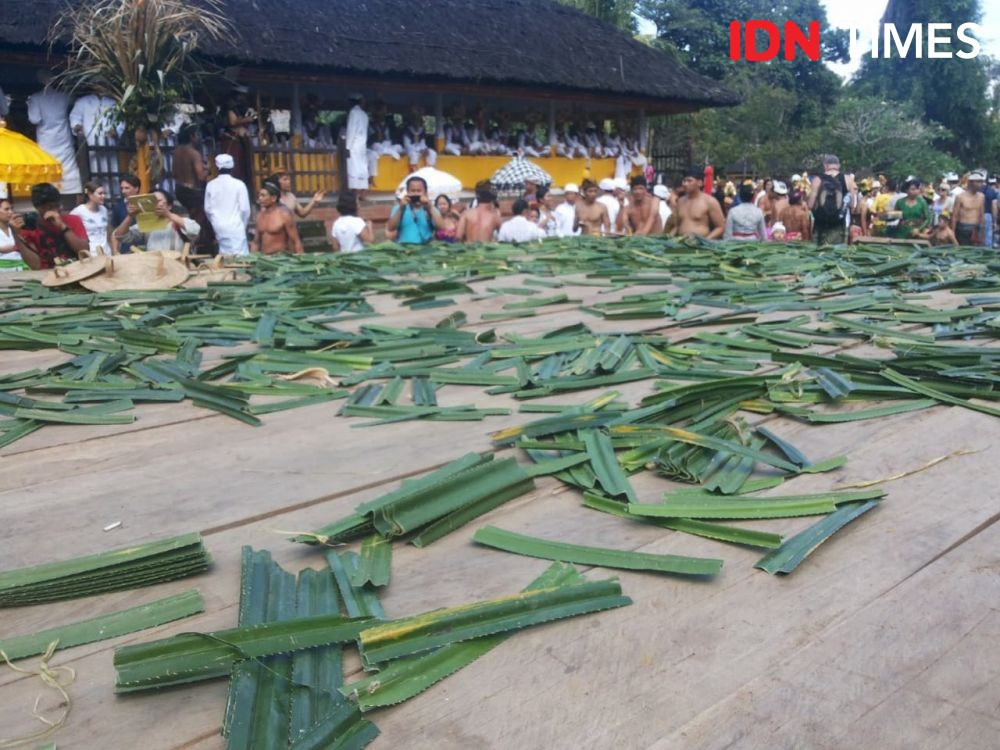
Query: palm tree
point(140, 53)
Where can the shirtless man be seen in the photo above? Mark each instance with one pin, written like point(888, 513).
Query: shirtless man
point(276, 230)
point(968, 219)
point(190, 177)
point(642, 214)
point(591, 215)
point(698, 213)
point(478, 224)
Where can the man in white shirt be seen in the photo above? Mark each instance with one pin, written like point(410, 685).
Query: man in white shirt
point(227, 206)
point(91, 117)
point(47, 110)
point(520, 228)
point(953, 187)
point(607, 197)
point(565, 212)
point(663, 193)
point(356, 142)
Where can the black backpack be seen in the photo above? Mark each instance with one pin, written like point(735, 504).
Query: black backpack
point(831, 200)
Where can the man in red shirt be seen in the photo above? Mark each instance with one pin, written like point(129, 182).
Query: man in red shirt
point(56, 235)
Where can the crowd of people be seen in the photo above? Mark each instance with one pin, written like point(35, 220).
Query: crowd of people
point(833, 207)
point(217, 214)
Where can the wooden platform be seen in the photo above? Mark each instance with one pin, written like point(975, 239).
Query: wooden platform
point(887, 637)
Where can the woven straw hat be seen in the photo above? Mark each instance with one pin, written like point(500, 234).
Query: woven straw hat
point(138, 271)
point(76, 271)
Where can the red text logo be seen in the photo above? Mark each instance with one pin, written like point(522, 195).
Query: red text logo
point(794, 37)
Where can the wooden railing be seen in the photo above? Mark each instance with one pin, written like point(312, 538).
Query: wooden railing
point(311, 169)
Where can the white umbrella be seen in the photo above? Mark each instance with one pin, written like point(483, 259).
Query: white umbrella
point(438, 183)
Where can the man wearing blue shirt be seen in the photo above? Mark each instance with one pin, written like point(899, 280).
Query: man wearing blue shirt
point(415, 218)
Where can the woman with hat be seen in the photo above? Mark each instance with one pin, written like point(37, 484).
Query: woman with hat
point(227, 206)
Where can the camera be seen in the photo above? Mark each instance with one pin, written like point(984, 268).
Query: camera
point(30, 220)
point(416, 199)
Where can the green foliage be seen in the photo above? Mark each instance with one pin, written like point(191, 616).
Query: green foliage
point(138, 53)
point(951, 91)
point(898, 116)
point(616, 12)
point(886, 137)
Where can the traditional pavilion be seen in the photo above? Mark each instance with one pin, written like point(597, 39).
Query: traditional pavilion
point(513, 56)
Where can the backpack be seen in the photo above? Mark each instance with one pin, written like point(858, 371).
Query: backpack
point(831, 200)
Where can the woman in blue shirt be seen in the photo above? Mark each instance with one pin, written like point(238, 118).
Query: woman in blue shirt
point(415, 218)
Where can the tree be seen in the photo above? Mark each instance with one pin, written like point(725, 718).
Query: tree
point(784, 101)
point(952, 92)
point(618, 13)
point(140, 53)
point(872, 134)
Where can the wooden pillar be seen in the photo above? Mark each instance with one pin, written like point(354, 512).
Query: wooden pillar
point(552, 127)
point(439, 122)
point(643, 131)
point(296, 110)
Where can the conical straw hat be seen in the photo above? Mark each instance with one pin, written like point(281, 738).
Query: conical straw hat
point(75, 271)
point(138, 271)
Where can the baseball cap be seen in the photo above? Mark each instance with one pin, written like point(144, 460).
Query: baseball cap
point(780, 188)
point(571, 187)
point(607, 184)
point(661, 191)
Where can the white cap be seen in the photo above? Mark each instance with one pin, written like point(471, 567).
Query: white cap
point(620, 184)
point(224, 161)
point(796, 178)
point(780, 188)
point(951, 177)
point(571, 188)
point(977, 176)
point(778, 226)
point(661, 191)
point(876, 184)
point(607, 184)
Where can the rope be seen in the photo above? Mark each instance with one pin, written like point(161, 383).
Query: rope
point(50, 678)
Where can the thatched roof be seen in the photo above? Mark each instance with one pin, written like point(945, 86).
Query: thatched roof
point(524, 43)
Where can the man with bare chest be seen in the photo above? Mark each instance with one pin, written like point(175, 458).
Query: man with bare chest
point(698, 213)
point(642, 214)
point(190, 176)
point(968, 219)
point(478, 224)
point(591, 215)
point(276, 230)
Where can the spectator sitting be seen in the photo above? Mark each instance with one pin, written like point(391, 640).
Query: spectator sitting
point(172, 238)
point(56, 235)
point(350, 232)
point(520, 228)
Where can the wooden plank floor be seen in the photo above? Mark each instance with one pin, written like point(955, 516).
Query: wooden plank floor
point(888, 636)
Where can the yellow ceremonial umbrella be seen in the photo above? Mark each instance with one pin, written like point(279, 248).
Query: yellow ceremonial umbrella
point(24, 163)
